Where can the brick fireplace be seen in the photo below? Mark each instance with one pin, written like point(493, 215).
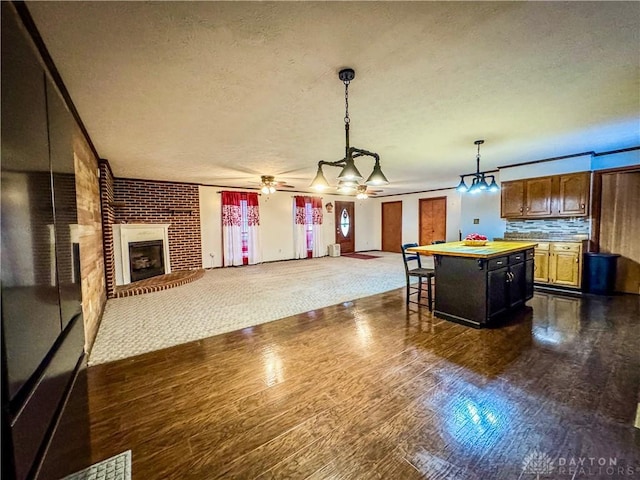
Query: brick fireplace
point(141, 251)
point(132, 201)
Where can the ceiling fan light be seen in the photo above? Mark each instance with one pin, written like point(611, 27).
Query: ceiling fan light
point(377, 177)
point(362, 196)
point(350, 172)
point(319, 182)
point(265, 189)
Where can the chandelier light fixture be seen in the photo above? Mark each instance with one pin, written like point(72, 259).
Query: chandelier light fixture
point(478, 179)
point(349, 177)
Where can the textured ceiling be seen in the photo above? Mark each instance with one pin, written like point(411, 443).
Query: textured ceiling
point(222, 92)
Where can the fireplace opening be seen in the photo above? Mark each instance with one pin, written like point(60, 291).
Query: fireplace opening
point(146, 259)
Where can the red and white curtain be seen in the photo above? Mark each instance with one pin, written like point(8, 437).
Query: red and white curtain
point(307, 228)
point(240, 229)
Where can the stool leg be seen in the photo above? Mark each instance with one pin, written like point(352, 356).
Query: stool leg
point(419, 288)
point(408, 288)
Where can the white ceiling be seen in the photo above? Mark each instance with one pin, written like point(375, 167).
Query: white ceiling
point(222, 92)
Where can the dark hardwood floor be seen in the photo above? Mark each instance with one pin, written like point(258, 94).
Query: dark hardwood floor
point(371, 389)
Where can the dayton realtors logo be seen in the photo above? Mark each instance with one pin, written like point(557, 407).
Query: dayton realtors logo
point(537, 463)
point(540, 464)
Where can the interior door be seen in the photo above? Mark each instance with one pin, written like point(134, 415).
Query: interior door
point(620, 226)
point(433, 220)
point(391, 226)
point(345, 221)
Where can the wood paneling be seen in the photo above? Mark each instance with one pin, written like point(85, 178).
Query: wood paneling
point(620, 226)
point(373, 389)
point(432, 220)
point(391, 226)
point(94, 288)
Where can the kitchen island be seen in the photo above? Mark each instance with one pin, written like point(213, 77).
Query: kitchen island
point(478, 285)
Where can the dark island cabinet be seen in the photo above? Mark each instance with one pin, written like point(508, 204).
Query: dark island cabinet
point(477, 291)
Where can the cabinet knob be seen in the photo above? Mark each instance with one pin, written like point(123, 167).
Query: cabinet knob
point(582, 206)
point(520, 209)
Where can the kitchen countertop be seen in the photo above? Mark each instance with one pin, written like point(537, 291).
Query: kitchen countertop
point(459, 249)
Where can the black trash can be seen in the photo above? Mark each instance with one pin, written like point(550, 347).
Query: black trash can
point(600, 272)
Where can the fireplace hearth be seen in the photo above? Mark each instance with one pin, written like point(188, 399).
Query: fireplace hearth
point(146, 259)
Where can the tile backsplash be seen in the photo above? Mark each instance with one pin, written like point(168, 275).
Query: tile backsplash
point(550, 226)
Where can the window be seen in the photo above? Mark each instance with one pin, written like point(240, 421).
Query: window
point(307, 217)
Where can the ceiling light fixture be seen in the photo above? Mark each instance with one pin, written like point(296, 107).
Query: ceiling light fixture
point(267, 184)
point(349, 176)
point(479, 179)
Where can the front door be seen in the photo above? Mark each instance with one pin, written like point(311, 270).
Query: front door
point(345, 226)
point(433, 220)
point(391, 226)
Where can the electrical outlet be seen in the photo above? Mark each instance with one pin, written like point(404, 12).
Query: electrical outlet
point(476, 221)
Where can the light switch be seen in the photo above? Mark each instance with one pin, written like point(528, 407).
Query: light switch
point(476, 221)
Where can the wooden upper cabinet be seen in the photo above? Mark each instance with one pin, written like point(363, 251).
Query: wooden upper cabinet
point(573, 194)
point(538, 197)
point(512, 199)
point(555, 196)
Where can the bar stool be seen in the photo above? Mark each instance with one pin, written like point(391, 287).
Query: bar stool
point(421, 274)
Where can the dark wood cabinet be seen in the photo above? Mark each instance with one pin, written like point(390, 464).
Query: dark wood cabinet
point(538, 197)
point(573, 194)
point(546, 197)
point(492, 287)
point(512, 199)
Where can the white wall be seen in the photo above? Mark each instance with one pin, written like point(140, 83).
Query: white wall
point(410, 215)
point(616, 160)
point(276, 225)
point(485, 207)
point(542, 169)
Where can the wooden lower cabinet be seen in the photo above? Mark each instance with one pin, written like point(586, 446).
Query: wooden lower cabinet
point(559, 263)
point(541, 263)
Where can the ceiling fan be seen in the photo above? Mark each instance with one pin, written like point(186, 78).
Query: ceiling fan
point(268, 184)
point(362, 192)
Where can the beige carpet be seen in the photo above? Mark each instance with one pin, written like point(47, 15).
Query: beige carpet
point(228, 299)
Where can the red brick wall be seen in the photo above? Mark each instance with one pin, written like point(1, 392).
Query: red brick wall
point(146, 201)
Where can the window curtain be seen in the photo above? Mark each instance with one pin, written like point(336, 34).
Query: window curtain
point(253, 229)
point(316, 227)
point(299, 226)
point(240, 229)
point(231, 229)
point(307, 228)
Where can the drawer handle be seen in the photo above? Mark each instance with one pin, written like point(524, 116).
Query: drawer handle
point(517, 258)
point(498, 263)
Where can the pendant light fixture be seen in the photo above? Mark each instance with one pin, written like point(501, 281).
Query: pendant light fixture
point(478, 179)
point(349, 176)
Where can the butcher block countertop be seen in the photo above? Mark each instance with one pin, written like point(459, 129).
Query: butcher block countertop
point(459, 249)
